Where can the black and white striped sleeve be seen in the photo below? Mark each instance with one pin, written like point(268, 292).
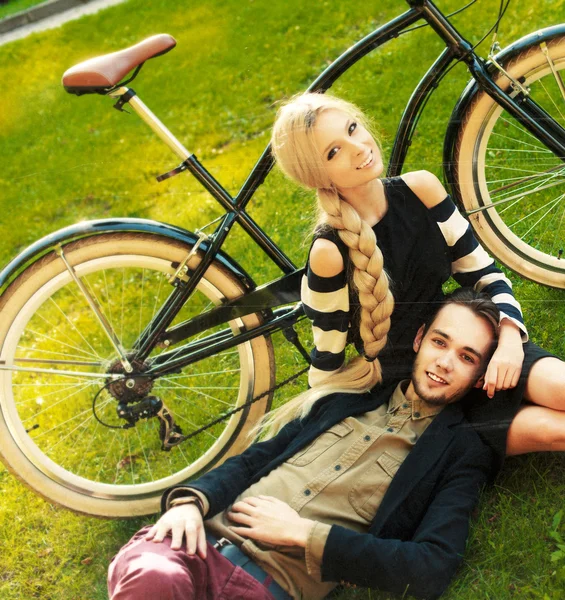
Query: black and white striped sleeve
point(326, 304)
point(472, 266)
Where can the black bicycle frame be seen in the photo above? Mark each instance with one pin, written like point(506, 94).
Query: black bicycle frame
point(286, 289)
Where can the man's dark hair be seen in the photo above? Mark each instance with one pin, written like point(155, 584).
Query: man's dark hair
point(478, 302)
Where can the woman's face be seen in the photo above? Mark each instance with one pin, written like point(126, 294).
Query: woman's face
point(349, 152)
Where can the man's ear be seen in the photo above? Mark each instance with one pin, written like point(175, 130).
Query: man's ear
point(418, 339)
point(480, 382)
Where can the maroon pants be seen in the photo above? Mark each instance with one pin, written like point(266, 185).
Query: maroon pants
point(149, 571)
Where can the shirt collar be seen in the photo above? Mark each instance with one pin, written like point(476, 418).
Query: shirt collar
point(419, 408)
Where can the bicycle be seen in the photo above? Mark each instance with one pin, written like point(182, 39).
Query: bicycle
point(110, 325)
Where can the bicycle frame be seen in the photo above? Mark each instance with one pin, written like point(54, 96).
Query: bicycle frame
point(286, 289)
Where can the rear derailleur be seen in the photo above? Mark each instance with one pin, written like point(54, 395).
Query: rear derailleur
point(170, 433)
point(134, 404)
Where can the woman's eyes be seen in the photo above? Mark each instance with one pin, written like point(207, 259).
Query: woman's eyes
point(352, 127)
point(332, 153)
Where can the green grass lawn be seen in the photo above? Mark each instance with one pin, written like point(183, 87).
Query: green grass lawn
point(14, 6)
point(66, 159)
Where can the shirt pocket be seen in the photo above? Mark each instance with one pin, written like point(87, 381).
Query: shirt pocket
point(367, 494)
point(322, 443)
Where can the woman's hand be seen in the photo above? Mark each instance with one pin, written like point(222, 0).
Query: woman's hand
point(505, 366)
point(183, 520)
point(266, 519)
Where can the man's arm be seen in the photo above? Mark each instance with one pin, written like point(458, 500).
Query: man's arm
point(216, 490)
point(222, 485)
point(425, 565)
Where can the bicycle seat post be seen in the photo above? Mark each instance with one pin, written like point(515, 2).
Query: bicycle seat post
point(127, 95)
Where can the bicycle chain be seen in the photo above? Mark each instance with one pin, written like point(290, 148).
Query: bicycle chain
point(184, 438)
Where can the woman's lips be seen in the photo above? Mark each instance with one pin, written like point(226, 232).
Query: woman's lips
point(367, 162)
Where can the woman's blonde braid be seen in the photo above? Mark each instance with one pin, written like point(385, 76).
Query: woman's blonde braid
point(369, 276)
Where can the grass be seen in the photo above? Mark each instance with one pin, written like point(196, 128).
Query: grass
point(14, 6)
point(67, 159)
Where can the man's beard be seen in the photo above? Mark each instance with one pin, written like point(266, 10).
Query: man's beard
point(435, 400)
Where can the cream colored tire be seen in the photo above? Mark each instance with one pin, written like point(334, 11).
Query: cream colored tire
point(497, 159)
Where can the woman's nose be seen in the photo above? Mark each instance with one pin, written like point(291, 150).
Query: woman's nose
point(356, 147)
point(359, 147)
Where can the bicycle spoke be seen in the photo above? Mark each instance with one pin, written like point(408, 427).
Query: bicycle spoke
point(189, 375)
point(41, 399)
point(141, 445)
point(186, 401)
point(44, 433)
point(48, 338)
point(538, 221)
point(66, 361)
point(76, 374)
point(191, 423)
point(530, 188)
point(553, 101)
point(73, 326)
point(98, 475)
point(47, 361)
point(522, 131)
point(87, 452)
point(191, 389)
point(506, 137)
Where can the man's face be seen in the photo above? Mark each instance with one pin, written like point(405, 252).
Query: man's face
point(451, 356)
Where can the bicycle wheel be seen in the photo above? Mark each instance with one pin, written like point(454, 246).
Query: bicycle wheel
point(503, 167)
point(56, 360)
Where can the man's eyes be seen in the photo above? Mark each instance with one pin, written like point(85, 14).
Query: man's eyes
point(441, 343)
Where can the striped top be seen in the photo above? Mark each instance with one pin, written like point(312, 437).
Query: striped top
point(422, 248)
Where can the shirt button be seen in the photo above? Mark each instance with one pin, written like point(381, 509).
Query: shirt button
point(390, 429)
point(367, 438)
point(405, 405)
point(307, 492)
point(337, 467)
point(417, 415)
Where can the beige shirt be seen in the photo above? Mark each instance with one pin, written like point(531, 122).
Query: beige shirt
point(340, 478)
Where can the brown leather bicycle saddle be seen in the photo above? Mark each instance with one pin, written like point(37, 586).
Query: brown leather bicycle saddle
point(103, 72)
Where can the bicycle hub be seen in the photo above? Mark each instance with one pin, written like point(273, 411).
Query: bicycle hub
point(134, 386)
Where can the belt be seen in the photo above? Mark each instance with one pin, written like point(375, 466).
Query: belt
point(237, 557)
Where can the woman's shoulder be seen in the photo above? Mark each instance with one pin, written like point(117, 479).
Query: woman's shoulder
point(326, 259)
point(426, 187)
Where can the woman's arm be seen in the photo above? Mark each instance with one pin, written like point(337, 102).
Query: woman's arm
point(472, 266)
point(325, 296)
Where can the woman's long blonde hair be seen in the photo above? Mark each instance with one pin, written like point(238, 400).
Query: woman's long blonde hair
point(294, 148)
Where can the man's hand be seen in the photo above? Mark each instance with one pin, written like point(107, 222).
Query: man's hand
point(267, 519)
point(183, 520)
point(505, 366)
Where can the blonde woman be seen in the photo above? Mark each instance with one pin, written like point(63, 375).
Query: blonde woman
point(383, 243)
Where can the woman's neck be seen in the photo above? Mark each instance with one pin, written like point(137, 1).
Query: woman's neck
point(368, 200)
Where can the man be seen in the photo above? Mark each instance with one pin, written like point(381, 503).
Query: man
point(368, 489)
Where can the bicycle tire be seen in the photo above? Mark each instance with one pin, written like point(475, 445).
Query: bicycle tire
point(66, 455)
point(498, 160)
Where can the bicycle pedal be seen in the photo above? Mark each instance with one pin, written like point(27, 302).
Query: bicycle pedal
point(182, 167)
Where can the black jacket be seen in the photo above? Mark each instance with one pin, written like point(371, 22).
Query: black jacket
point(417, 538)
